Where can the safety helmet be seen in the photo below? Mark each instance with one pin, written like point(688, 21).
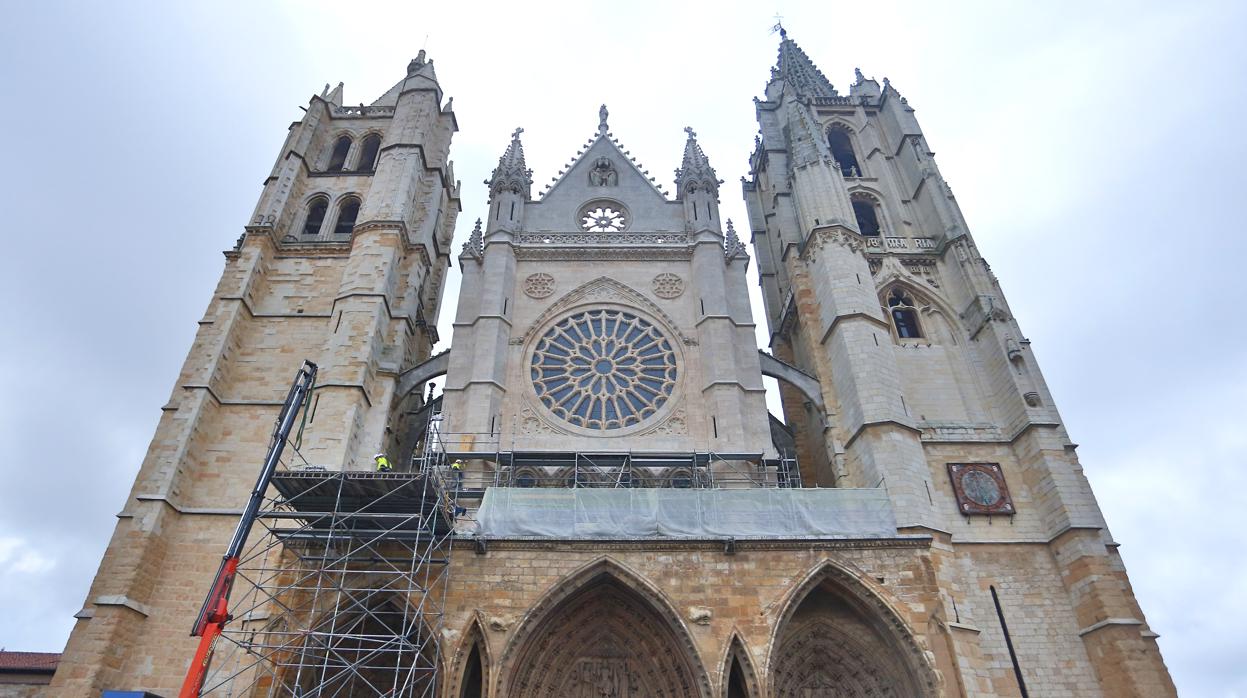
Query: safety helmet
point(379, 455)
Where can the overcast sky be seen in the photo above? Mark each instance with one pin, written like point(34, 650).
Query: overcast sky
point(1095, 149)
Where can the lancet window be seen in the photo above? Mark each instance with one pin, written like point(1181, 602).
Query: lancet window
point(842, 150)
point(904, 314)
point(368, 153)
point(316, 211)
point(337, 159)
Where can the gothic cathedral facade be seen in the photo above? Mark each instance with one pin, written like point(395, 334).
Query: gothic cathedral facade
point(626, 518)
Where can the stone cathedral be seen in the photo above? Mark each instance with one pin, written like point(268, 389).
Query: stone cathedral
point(623, 517)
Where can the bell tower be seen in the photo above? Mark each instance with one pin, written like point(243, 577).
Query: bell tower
point(874, 286)
point(342, 263)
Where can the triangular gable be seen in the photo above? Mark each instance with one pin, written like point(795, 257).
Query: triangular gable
point(628, 174)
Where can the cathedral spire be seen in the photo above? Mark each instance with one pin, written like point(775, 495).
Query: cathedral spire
point(512, 173)
point(695, 171)
point(796, 69)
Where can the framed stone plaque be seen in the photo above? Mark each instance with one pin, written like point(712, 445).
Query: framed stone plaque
point(980, 488)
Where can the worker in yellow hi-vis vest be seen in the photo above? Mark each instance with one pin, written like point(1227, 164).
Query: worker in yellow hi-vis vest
point(457, 469)
point(383, 463)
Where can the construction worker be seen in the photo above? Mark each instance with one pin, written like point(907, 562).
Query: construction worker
point(383, 463)
point(457, 469)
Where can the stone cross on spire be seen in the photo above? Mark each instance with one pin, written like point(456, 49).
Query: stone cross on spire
point(602, 114)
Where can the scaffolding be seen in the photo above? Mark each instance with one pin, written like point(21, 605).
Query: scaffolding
point(492, 466)
point(343, 593)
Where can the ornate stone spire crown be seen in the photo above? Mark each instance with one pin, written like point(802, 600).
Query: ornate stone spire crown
point(796, 69)
point(733, 248)
point(695, 171)
point(475, 246)
point(512, 173)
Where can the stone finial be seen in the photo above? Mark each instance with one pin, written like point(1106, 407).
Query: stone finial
point(602, 114)
point(416, 63)
point(512, 172)
point(695, 172)
point(857, 73)
point(475, 246)
point(733, 248)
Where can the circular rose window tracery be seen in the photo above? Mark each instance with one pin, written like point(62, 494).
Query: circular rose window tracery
point(603, 217)
point(603, 369)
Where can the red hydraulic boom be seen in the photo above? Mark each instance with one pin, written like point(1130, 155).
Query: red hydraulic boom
point(215, 612)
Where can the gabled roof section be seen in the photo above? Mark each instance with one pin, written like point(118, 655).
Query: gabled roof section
point(796, 69)
point(589, 157)
point(419, 70)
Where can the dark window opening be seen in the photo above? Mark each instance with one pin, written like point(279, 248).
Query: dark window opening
point(368, 154)
point(338, 158)
point(681, 481)
point(315, 217)
point(842, 151)
point(473, 686)
point(904, 315)
point(736, 687)
point(525, 480)
point(867, 216)
point(346, 218)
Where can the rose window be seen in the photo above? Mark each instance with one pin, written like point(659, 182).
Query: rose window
point(602, 219)
point(603, 369)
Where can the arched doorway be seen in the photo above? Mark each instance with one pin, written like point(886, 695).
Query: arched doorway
point(605, 638)
point(474, 676)
point(838, 640)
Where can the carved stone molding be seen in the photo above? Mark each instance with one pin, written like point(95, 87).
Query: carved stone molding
point(604, 290)
point(630, 253)
point(668, 286)
point(675, 425)
point(602, 632)
point(824, 236)
point(531, 424)
point(603, 238)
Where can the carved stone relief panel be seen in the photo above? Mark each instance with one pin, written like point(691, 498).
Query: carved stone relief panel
point(668, 286)
point(539, 285)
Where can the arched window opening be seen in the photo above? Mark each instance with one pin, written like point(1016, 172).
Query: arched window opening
point(867, 216)
point(736, 687)
point(526, 478)
point(473, 686)
point(338, 158)
point(315, 217)
point(842, 151)
point(346, 218)
point(904, 315)
point(368, 153)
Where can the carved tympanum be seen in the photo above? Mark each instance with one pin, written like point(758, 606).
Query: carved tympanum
point(605, 642)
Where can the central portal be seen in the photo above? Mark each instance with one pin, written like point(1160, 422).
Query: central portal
point(605, 641)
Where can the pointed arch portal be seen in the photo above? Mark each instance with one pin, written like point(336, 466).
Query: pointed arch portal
point(837, 639)
point(606, 638)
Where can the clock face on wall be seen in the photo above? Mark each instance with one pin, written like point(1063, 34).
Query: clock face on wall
point(980, 488)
